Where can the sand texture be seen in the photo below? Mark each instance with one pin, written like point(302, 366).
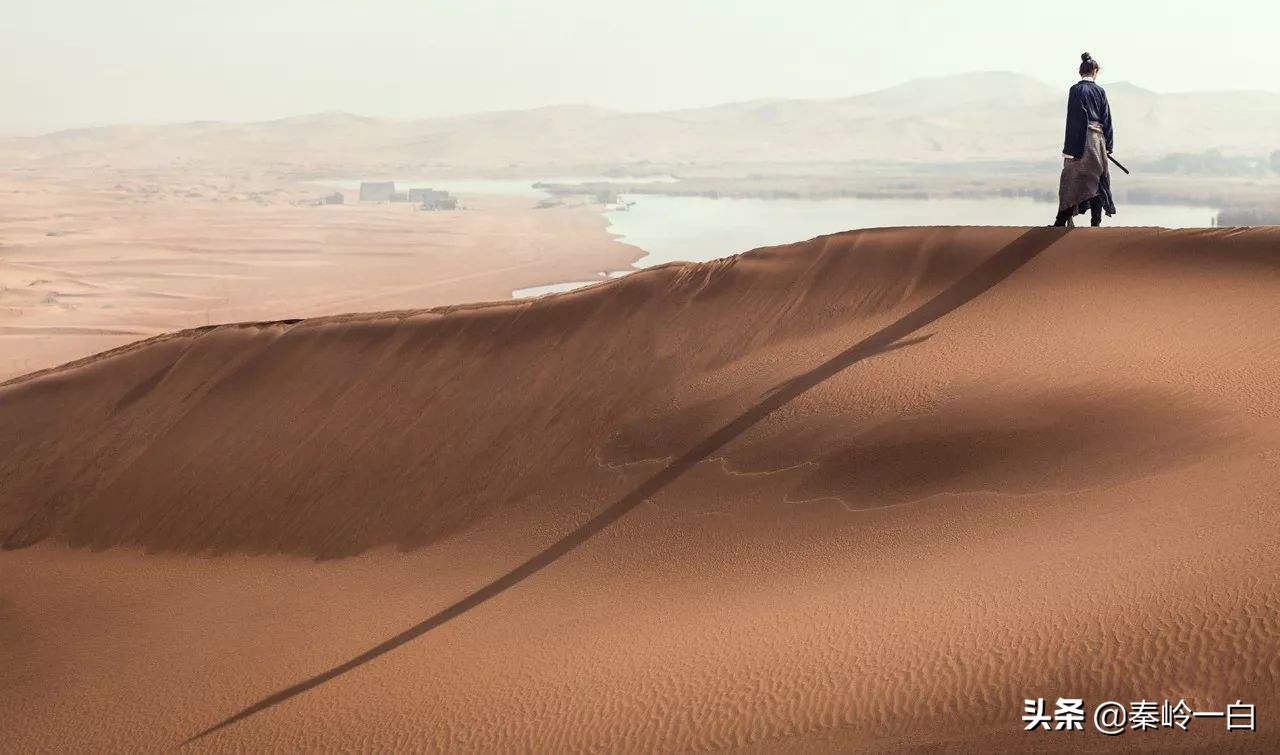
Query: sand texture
point(88, 264)
point(868, 491)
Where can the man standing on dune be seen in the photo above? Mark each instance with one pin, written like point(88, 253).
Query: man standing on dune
point(1085, 185)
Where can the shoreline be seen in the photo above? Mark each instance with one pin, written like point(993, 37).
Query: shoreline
point(602, 275)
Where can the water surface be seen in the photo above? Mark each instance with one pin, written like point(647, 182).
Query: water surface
point(697, 229)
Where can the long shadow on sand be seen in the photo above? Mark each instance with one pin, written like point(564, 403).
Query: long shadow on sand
point(995, 269)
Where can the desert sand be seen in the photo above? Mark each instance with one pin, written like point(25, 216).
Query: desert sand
point(869, 491)
point(88, 263)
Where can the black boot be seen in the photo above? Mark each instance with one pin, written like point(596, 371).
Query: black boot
point(1064, 218)
point(1095, 212)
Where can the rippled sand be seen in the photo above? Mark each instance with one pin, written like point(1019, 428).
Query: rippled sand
point(869, 491)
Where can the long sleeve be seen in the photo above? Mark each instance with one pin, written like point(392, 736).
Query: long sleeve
point(1106, 124)
point(1073, 143)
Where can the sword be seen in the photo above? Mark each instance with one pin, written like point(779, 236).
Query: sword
point(1118, 165)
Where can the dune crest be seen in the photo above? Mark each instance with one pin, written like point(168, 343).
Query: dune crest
point(330, 436)
point(998, 459)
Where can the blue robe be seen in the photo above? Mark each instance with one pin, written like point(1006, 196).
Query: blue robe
point(1088, 102)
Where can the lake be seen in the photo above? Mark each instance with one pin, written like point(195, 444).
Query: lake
point(697, 229)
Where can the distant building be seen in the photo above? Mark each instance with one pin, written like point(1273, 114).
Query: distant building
point(377, 191)
point(334, 198)
point(433, 199)
point(399, 196)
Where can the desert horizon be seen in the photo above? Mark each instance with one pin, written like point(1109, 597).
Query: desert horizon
point(902, 86)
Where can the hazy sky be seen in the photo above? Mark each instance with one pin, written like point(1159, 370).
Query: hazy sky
point(81, 62)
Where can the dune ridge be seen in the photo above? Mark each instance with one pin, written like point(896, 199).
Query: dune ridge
point(835, 458)
point(185, 387)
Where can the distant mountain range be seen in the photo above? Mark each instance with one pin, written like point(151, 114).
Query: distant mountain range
point(968, 117)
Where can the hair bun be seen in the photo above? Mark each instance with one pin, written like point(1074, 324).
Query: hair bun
point(1085, 57)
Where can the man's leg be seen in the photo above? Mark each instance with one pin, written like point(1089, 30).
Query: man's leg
point(1064, 218)
point(1095, 212)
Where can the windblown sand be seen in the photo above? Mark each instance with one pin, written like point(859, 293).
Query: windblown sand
point(869, 491)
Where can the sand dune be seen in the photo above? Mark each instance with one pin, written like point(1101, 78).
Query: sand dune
point(932, 120)
point(866, 491)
